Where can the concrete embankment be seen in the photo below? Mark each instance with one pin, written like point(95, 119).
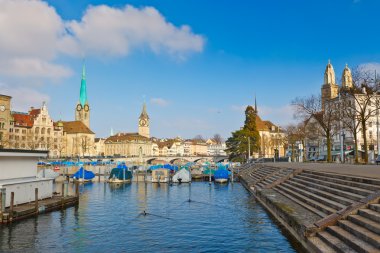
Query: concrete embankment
point(324, 210)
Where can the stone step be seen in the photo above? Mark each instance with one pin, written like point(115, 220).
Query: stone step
point(366, 180)
point(375, 207)
point(335, 242)
point(361, 232)
point(301, 203)
point(334, 197)
point(365, 222)
point(349, 195)
point(370, 214)
point(321, 207)
point(352, 189)
point(348, 182)
point(319, 246)
point(327, 202)
point(351, 240)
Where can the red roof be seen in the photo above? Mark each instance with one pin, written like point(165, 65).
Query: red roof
point(23, 120)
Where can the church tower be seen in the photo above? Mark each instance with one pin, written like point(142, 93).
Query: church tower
point(329, 88)
point(82, 110)
point(347, 78)
point(144, 123)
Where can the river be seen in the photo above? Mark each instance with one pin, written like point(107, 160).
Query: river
point(142, 217)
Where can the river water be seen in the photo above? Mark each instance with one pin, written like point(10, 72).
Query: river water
point(218, 218)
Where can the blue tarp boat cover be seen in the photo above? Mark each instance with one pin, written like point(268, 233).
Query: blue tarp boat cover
point(88, 175)
point(119, 173)
point(221, 174)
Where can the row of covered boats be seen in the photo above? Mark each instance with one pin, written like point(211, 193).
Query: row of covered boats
point(159, 174)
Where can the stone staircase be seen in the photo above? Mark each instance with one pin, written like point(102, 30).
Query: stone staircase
point(326, 193)
point(344, 210)
point(263, 176)
point(359, 232)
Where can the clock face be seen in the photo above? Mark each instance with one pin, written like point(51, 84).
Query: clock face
point(2, 108)
point(79, 107)
point(86, 108)
point(142, 122)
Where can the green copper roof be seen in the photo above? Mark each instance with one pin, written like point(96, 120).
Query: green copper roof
point(83, 89)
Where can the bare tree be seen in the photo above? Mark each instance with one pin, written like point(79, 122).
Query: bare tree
point(198, 137)
point(218, 138)
point(311, 107)
point(360, 103)
point(85, 144)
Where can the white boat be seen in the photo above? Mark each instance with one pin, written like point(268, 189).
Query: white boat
point(160, 176)
point(118, 181)
point(221, 180)
point(182, 176)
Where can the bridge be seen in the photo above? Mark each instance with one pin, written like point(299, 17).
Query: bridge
point(173, 159)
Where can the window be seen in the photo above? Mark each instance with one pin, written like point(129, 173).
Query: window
point(17, 131)
point(37, 130)
point(49, 130)
point(370, 134)
point(370, 124)
point(24, 131)
point(43, 130)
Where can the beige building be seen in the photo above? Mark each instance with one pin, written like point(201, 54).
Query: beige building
point(5, 120)
point(198, 148)
point(34, 130)
point(271, 139)
point(128, 144)
point(132, 144)
point(99, 146)
point(78, 139)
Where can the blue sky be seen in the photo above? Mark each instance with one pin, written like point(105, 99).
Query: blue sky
point(196, 79)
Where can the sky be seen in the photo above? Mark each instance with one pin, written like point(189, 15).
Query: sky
point(197, 64)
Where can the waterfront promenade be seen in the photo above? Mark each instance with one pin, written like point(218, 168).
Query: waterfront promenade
point(372, 171)
point(326, 207)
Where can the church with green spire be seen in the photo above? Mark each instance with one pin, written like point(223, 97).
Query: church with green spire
point(82, 110)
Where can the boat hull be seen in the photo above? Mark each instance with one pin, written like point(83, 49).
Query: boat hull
point(118, 181)
point(221, 180)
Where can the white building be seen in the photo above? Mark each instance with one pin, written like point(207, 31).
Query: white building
point(18, 174)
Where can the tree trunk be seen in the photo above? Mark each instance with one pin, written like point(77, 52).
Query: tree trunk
point(364, 131)
point(328, 139)
point(356, 148)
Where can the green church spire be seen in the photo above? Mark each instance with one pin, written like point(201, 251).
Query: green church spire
point(83, 89)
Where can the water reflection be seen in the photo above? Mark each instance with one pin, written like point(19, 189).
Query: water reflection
point(218, 218)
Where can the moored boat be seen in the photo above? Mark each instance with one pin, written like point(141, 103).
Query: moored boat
point(221, 176)
point(120, 175)
point(83, 176)
point(160, 175)
point(182, 176)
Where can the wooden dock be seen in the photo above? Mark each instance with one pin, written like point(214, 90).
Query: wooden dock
point(34, 208)
point(31, 209)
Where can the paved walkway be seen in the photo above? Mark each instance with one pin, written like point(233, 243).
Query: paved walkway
point(372, 171)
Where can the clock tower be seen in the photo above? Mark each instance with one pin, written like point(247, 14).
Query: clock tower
point(82, 110)
point(144, 123)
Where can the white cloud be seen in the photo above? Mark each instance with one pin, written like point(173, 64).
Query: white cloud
point(33, 36)
point(23, 97)
point(113, 32)
point(159, 101)
point(29, 34)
